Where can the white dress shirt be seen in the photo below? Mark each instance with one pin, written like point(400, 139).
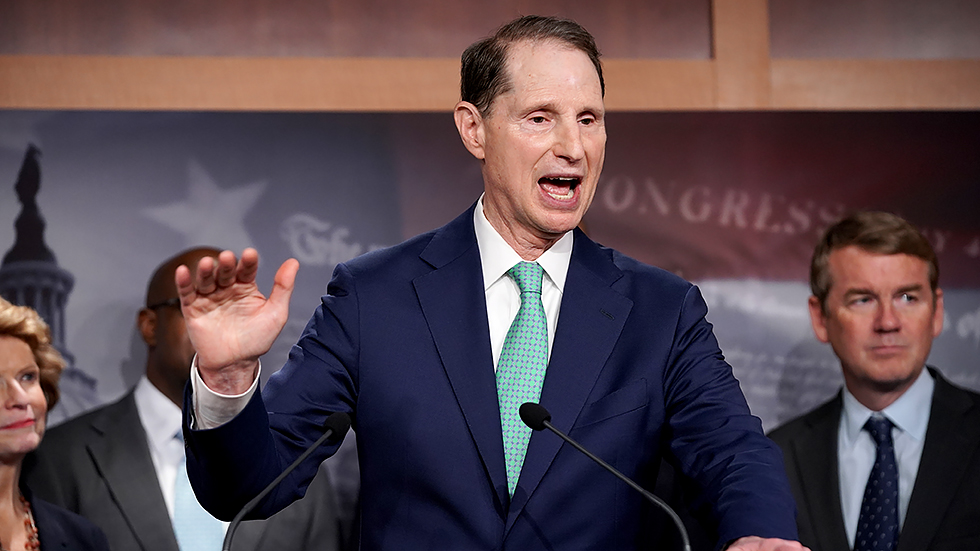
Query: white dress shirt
point(503, 294)
point(161, 421)
point(503, 301)
point(856, 449)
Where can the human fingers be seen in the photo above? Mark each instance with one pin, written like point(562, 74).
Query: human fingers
point(225, 275)
point(248, 266)
point(204, 278)
point(185, 284)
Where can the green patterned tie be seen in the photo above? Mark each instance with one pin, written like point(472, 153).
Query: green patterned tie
point(520, 371)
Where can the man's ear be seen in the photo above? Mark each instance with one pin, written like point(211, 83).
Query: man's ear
point(469, 122)
point(939, 314)
point(817, 319)
point(146, 322)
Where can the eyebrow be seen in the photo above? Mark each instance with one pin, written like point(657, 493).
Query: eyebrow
point(910, 288)
point(858, 291)
point(863, 291)
point(551, 105)
point(26, 367)
point(548, 105)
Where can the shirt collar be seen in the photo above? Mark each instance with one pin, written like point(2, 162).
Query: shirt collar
point(160, 417)
point(497, 256)
point(910, 412)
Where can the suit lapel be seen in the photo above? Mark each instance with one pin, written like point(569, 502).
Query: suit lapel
point(590, 321)
point(951, 440)
point(49, 530)
point(816, 454)
point(454, 305)
point(122, 458)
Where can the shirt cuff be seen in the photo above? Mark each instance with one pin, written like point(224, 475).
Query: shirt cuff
point(211, 410)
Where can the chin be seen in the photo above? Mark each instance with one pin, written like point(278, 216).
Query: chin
point(22, 447)
point(559, 223)
point(891, 384)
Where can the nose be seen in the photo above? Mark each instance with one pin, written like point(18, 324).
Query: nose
point(887, 320)
point(568, 141)
point(14, 395)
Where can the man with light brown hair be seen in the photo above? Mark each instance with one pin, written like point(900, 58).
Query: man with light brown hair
point(893, 461)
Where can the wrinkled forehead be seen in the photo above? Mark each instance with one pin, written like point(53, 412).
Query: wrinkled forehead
point(862, 267)
point(554, 69)
point(543, 51)
point(15, 352)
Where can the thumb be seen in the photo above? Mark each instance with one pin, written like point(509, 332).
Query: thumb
point(285, 281)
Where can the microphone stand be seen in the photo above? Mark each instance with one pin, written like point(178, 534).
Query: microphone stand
point(337, 423)
point(537, 417)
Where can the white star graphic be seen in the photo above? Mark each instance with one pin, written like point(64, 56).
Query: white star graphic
point(210, 215)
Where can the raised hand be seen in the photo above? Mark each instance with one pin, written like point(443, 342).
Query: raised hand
point(229, 321)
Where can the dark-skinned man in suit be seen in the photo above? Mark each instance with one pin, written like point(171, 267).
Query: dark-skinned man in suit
point(118, 464)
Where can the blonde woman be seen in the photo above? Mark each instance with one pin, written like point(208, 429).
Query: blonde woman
point(29, 371)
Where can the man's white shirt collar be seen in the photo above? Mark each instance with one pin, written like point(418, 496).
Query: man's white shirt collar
point(906, 412)
point(160, 417)
point(497, 256)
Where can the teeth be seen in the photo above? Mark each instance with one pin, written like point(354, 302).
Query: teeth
point(567, 195)
point(565, 187)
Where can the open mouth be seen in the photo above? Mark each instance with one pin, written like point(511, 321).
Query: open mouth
point(560, 187)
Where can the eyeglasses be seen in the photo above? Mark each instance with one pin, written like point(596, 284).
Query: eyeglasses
point(174, 302)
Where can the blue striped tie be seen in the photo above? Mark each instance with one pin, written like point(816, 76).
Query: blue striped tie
point(521, 368)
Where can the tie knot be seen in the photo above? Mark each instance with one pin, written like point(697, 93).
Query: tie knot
point(880, 429)
point(528, 276)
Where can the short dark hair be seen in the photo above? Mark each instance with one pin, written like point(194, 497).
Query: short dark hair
point(483, 74)
point(874, 232)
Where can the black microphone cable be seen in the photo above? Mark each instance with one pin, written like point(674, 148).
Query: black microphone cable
point(537, 417)
point(335, 425)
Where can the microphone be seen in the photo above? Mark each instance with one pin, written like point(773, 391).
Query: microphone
point(336, 425)
point(537, 417)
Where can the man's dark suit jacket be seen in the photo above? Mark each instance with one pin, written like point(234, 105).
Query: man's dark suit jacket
point(944, 509)
point(60, 529)
point(402, 340)
point(98, 465)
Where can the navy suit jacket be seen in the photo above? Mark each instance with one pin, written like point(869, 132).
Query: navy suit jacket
point(60, 529)
point(402, 341)
point(944, 508)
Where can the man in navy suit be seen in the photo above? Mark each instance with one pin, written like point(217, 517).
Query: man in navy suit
point(877, 301)
point(408, 339)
